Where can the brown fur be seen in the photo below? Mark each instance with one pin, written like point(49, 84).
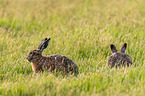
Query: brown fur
point(53, 63)
point(119, 58)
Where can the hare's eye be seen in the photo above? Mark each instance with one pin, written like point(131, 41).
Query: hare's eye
point(30, 52)
point(37, 54)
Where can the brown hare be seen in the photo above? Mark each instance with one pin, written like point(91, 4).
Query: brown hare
point(119, 58)
point(53, 63)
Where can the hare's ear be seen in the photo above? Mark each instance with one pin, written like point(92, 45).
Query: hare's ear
point(41, 44)
point(123, 49)
point(44, 43)
point(113, 48)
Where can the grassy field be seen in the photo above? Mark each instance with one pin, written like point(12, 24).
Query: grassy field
point(81, 30)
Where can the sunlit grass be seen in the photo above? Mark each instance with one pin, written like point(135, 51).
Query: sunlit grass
point(81, 30)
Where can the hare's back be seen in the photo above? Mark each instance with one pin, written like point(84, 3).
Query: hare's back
point(59, 59)
point(119, 59)
point(64, 62)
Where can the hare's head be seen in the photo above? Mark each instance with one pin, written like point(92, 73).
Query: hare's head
point(119, 57)
point(37, 54)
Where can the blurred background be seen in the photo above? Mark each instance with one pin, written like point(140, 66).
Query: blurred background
point(79, 29)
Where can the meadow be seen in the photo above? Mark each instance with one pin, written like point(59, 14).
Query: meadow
point(81, 30)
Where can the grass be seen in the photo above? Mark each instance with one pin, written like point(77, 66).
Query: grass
point(81, 30)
